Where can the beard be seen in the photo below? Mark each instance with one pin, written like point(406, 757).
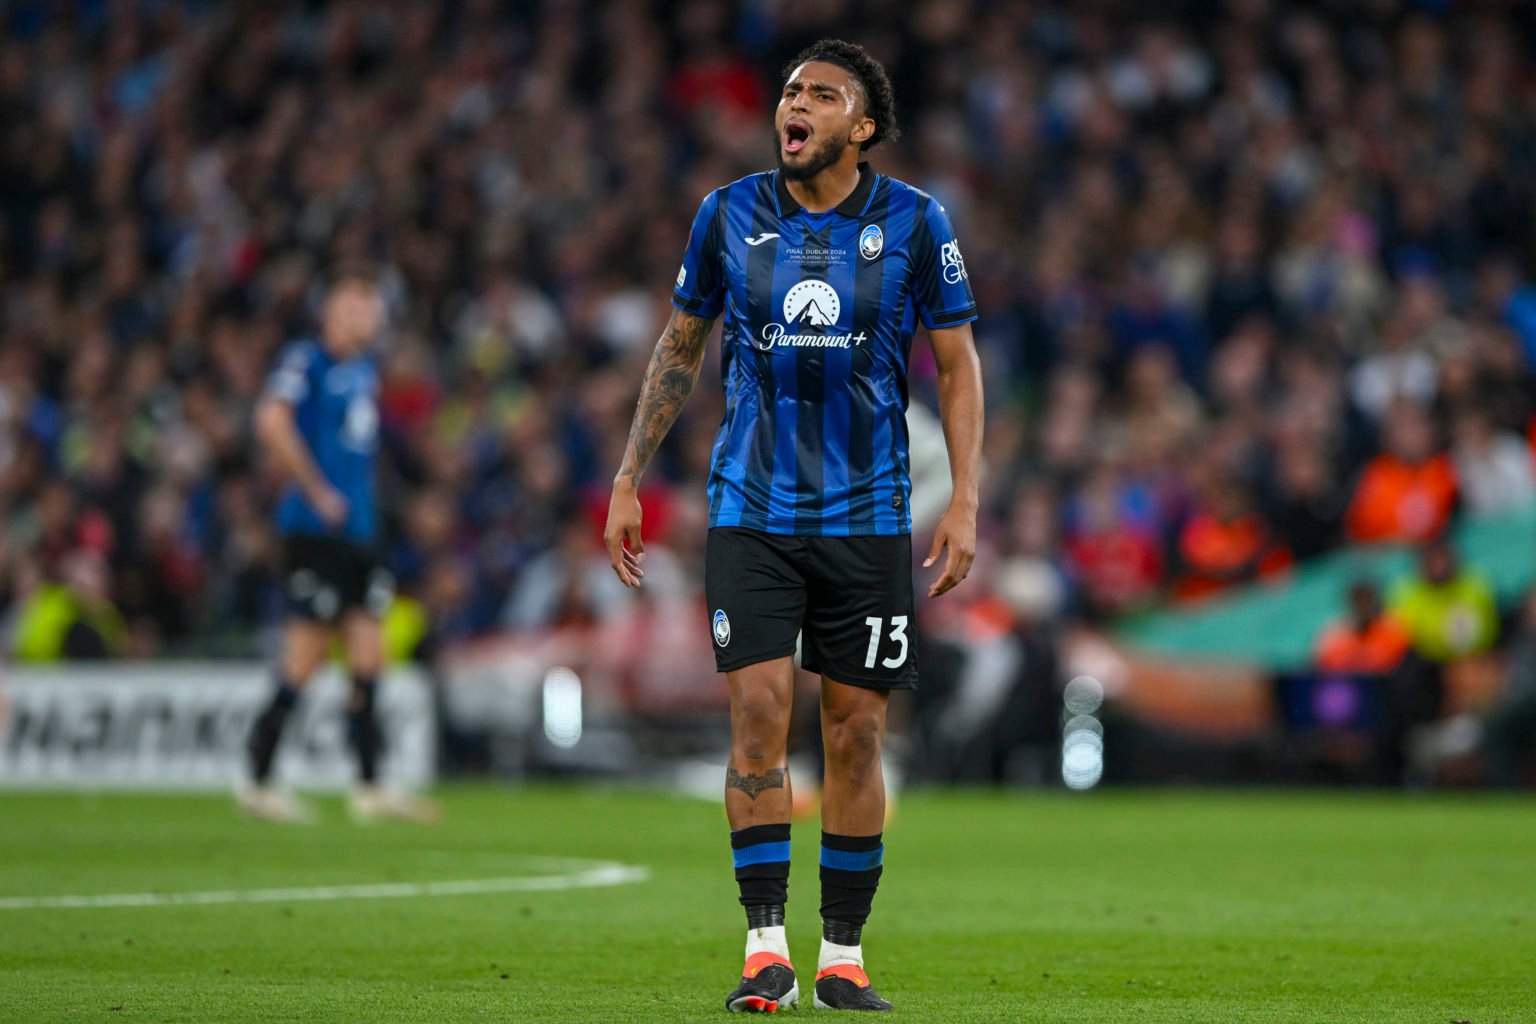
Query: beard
point(814, 160)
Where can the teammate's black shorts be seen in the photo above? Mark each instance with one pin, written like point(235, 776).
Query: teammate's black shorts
point(326, 577)
point(850, 598)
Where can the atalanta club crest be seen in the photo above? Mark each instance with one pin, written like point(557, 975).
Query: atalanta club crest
point(722, 627)
point(871, 241)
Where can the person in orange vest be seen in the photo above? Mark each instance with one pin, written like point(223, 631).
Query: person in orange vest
point(1226, 543)
point(1408, 493)
point(1367, 640)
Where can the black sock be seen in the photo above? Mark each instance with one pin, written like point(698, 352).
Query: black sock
point(363, 727)
point(267, 730)
point(761, 857)
point(850, 874)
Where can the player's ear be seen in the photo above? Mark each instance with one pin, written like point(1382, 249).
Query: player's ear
point(862, 130)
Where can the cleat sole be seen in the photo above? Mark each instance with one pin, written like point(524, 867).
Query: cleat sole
point(761, 1004)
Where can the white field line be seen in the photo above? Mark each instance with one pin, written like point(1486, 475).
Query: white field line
point(601, 875)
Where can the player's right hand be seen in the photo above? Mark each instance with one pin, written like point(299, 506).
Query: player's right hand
point(622, 535)
point(329, 505)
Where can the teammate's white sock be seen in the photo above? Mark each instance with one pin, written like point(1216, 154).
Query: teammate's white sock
point(767, 940)
point(832, 953)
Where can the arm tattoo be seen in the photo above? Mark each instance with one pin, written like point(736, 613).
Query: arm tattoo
point(751, 783)
point(669, 379)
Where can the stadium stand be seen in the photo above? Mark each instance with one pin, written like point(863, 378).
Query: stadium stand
point(1256, 282)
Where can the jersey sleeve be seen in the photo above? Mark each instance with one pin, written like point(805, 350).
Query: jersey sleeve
point(700, 286)
point(941, 288)
point(289, 380)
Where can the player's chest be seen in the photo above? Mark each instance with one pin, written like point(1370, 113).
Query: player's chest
point(811, 247)
point(346, 404)
point(342, 384)
point(814, 284)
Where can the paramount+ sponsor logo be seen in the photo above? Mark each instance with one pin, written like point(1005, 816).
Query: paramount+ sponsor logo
point(812, 310)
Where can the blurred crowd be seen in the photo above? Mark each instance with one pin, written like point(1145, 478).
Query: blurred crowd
point(1255, 281)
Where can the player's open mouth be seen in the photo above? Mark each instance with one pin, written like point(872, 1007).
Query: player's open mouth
point(796, 135)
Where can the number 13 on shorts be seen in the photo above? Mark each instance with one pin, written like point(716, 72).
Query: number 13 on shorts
point(898, 634)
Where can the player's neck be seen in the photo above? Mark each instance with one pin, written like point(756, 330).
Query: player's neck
point(823, 191)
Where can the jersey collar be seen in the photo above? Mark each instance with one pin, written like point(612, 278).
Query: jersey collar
point(853, 206)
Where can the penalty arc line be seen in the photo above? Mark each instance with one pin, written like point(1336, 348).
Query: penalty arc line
point(601, 876)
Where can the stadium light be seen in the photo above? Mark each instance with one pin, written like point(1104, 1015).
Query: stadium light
point(1082, 737)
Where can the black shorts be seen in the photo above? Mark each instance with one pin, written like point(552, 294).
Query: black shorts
point(326, 577)
point(849, 598)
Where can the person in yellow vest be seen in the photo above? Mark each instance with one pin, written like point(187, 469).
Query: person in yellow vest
point(1449, 611)
point(71, 619)
point(1450, 614)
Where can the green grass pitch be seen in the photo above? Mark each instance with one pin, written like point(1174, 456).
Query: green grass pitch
point(1118, 906)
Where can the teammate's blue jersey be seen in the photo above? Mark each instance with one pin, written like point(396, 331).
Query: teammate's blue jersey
point(336, 408)
point(819, 314)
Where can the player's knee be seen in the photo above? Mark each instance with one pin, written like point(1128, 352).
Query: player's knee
point(764, 702)
point(854, 739)
point(759, 719)
point(760, 727)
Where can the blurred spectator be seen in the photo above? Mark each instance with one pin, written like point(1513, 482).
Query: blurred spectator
point(1029, 580)
point(1493, 467)
point(1158, 403)
point(1112, 548)
point(1025, 726)
point(1307, 504)
point(1241, 286)
point(1367, 660)
point(1214, 246)
point(1226, 543)
point(1511, 297)
point(570, 583)
point(1449, 611)
point(1403, 370)
point(1367, 641)
point(1408, 493)
point(70, 619)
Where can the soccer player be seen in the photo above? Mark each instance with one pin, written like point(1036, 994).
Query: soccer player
point(823, 268)
point(319, 418)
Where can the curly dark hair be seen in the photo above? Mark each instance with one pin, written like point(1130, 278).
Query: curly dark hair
point(879, 98)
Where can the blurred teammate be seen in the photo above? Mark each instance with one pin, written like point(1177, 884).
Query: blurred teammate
point(319, 419)
point(823, 269)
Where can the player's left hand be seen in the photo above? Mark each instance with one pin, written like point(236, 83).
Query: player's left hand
point(622, 535)
point(956, 532)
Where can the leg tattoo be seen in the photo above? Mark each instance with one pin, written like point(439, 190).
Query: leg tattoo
point(752, 783)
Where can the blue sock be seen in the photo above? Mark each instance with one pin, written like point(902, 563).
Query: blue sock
point(760, 855)
point(850, 874)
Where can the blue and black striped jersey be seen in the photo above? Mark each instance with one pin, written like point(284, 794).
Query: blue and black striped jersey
point(336, 409)
point(819, 314)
